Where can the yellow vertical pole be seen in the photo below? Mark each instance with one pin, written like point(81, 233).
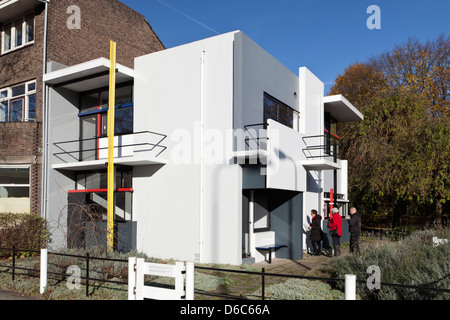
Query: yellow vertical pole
point(111, 116)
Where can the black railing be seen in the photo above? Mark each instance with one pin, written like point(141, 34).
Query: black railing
point(262, 275)
point(327, 147)
point(14, 251)
point(146, 146)
point(254, 135)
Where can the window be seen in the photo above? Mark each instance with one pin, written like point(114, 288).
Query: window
point(15, 189)
point(95, 184)
point(18, 33)
point(18, 103)
point(280, 112)
point(94, 118)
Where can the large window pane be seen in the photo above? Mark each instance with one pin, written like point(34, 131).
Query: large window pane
point(29, 28)
point(18, 90)
point(7, 38)
point(123, 123)
point(17, 110)
point(4, 111)
point(32, 107)
point(14, 176)
point(19, 32)
point(278, 111)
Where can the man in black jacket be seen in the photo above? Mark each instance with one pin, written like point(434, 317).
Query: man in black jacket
point(354, 226)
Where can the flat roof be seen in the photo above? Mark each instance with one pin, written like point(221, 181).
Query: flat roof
point(87, 76)
point(341, 109)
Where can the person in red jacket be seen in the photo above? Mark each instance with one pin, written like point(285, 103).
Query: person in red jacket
point(335, 227)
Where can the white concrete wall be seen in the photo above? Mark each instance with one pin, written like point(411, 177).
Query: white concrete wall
point(284, 170)
point(64, 125)
point(190, 208)
point(256, 72)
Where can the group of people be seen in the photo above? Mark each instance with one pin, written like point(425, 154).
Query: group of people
point(335, 229)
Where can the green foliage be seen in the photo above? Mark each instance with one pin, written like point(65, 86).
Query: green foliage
point(25, 231)
point(411, 261)
point(398, 156)
point(300, 289)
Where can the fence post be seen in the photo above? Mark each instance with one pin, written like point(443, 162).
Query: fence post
point(189, 281)
point(140, 265)
point(132, 265)
point(87, 274)
point(43, 270)
point(350, 287)
point(14, 263)
point(263, 284)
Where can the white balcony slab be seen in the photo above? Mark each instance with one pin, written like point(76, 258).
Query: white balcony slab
point(320, 164)
point(102, 164)
point(341, 109)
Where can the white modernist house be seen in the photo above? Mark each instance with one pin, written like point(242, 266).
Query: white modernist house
point(221, 153)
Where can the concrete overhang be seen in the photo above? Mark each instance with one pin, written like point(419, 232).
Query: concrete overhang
point(11, 9)
point(341, 109)
point(320, 164)
point(87, 76)
point(103, 164)
point(251, 154)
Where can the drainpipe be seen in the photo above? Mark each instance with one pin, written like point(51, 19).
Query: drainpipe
point(251, 220)
point(202, 93)
point(44, 177)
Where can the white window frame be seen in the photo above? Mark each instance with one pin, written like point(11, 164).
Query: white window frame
point(26, 97)
point(14, 29)
point(28, 167)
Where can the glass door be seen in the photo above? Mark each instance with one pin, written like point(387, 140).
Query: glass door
point(88, 144)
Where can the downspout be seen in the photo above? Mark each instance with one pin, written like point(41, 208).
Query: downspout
point(44, 119)
point(202, 93)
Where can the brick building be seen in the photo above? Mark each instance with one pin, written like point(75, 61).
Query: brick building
point(34, 33)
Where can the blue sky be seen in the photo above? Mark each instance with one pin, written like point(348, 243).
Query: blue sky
point(326, 36)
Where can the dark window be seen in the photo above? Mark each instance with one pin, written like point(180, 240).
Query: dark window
point(278, 111)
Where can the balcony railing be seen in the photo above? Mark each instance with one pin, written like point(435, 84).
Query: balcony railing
point(127, 145)
point(321, 146)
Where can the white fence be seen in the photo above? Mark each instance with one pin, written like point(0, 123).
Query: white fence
point(182, 272)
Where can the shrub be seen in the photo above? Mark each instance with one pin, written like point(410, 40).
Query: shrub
point(300, 289)
point(24, 231)
point(411, 261)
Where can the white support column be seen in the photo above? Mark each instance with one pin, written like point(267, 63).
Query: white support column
point(350, 287)
point(251, 220)
point(43, 270)
point(189, 281)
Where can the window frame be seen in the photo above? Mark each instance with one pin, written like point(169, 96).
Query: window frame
point(281, 108)
point(20, 185)
point(13, 32)
point(26, 101)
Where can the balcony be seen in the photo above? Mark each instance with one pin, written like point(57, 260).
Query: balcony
point(321, 152)
point(136, 149)
point(252, 143)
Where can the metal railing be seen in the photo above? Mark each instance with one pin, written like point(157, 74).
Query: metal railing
point(263, 275)
point(252, 137)
point(77, 153)
point(87, 258)
point(326, 147)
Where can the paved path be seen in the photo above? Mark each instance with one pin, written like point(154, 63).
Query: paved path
point(7, 295)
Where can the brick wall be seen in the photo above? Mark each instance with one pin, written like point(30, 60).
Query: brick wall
point(101, 21)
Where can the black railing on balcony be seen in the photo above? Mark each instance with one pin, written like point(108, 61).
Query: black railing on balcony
point(328, 146)
point(78, 152)
point(253, 138)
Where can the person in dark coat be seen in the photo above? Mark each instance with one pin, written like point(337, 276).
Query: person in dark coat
point(354, 227)
point(316, 233)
